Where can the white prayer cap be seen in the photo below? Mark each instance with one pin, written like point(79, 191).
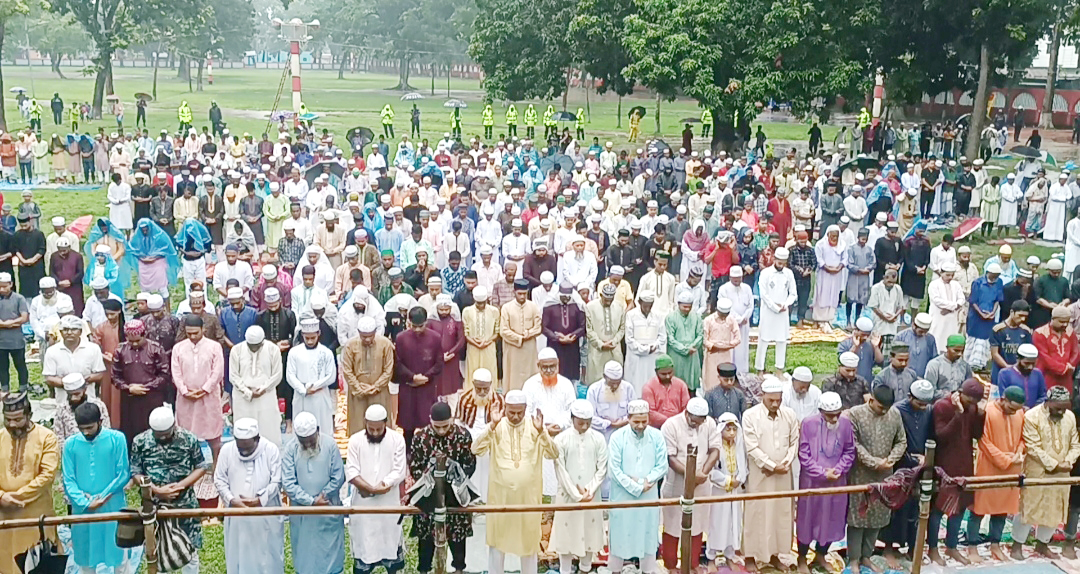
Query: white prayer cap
point(912, 191)
point(637, 407)
point(923, 320)
point(802, 374)
point(991, 268)
point(581, 409)
point(366, 325)
point(723, 305)
point(289, 224)
point(246, 428)
point(482, 375)
point(97, 283)
point(305, 424)
point(830, 402)
point(155, 302)
point(923, 390)
point(444, 300)
point(275, 186)
point(948, 267)
point(46, 283)
point(547, 278)
point(254, 335)
point(73, 381)
point(63, 242)
point(351, 251)
point(781, 253)
point(360, 292)
point(1034, 260)
point(516, 222)
point(309, 326)
point(864, 324)
point(69, 321)
point(1028, 351)
point(685, 297)
point(103, 249)
point(963, 249)
point(613, 370)
point(1052, 265)
point(849, 359)
point(546, 353)
point(698, 407)
point(238, 293)
point(480, 293)
point(735, 271)
point(486, 250)
point(318, 300)
point(771, 384)
point(58, 221)
point(375, 413)
point(1024, 273)
point(881, 216)
point(142, 296)
point(162, 419)
point(844, 219)
point(515, 397)
point(271, 295)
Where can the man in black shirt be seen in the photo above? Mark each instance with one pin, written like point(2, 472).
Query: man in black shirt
point(930, 176)
point(964, 186)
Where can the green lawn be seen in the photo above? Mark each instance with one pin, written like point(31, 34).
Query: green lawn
point(247, 97)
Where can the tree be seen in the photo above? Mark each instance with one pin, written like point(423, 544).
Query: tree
point(596, 31)
point(523, 47)
point(49, 33)
point(1063, 21)
point(111, 25)
point(9, 9)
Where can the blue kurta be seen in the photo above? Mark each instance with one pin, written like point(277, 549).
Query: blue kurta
point(630, 458)
point(1034, 385)
point(984, 295)
point(92, 469)
point(318, 542)
point(921, 349)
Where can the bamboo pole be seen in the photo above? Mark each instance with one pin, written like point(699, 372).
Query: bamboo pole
point(149, 518)
point(927, 486)
point(440, 514)
point(687, 503)
point(1010, 481)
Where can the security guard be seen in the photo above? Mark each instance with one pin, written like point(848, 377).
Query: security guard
point(183, 113)
point(488, 119)
point(73, 116)
point(550, 126)
point(864, 118)
point(511, 121)
point(455, 124)
point(387, 121)
point(35, 115)
point(579, 124)
point(530, 122)
point(706, 122)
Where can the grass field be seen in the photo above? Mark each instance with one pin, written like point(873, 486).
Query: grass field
point(247, 97)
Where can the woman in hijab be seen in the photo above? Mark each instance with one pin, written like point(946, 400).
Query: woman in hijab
point(240, 233)
point(102, 265)
point(373, 220)
point(153, 253)
point(729, 476)
point(694, 241)
point(324, 272)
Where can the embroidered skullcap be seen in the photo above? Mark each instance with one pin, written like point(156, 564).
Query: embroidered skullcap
point(581, 409)
point(271, 295)
point(547, 353)
point(70, 322)
point(309, 326)
point(698, 407)
point(482, 375)
point(923, 390)
point(923, 320)
point(444, 300)
point(830, 402)
point(134, 327)
point(849, 360)
point(1028, 351)
point(63, 242)
point(608, 290)
point(771, 384)
point(515, 397)
point(73, 381)
point(1057, 394)
point(613, 370)
point(305, 424)
point(375, 413)
point(802, 374)
point(237, 293)
point(162, 419)
point(637, 407)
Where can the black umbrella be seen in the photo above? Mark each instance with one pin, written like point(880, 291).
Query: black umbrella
point(565, 163)
point(639, 109)
point(360, 137)
point(43, 557)
point(318, 169)
point(860, 163)
point(690, 121)
point(1025, 151)
point(563, 117)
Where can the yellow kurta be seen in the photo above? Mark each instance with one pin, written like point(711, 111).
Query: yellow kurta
point(603, 324)
point(1048, 444)
point(27, 469)
point(517, 454)
point(769, 443)
point(519, 325)
point(480, 325)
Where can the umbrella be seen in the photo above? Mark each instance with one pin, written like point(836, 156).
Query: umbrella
point(144, 96)
point(860, 163)
point(658, 145)
point(17, 89)
point(639, 109)
point(360, 137)
point(81, 225)
point(565, 163)
point(112, 98)
point(690, 121)
point(1025, 151)
point(966, 227)
point(43, 557)
point(563, 117)
point(317, 170)
point(412, 96)
point(455, 104)
point(281, 115)
point(309, 117)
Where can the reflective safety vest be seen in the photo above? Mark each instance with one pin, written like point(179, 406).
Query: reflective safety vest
point(455, 119)
point(183, 113)
point(580, 123)
point(530, 116)
point(706, 117)
point(387, 115)
point(511, 115)
point(550, 111)
point(488, 116)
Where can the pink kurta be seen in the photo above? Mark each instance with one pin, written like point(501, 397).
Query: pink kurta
point(725, 334)
point(195, 367)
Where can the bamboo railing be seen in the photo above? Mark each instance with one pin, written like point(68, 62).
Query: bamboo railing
point(928, 484)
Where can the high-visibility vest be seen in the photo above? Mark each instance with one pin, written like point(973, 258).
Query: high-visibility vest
point(488, 116)
point(73, 114)
point(530, 116)
point(706, 117)
point(455, 119)
point(387, 115)
point(511, 115)
point(183, 113)
point(550, 111)
point(580, 123)
point(35, 110)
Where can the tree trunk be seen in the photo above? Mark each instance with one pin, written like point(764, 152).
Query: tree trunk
point(109, 89)
point(3, 117)
point(618, 114)
point(433, 78)
point(658, 112)
point(978, 115)
point(104, 62)
point(1046, 119)
point(566, 89)
point(184, 70)
point(153, 90)
point(341, 65)
point(54, 59)
point(723, 136)
point(198, 82)
point(449, 67)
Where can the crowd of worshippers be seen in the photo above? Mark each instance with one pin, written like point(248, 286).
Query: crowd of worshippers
point(540, 440)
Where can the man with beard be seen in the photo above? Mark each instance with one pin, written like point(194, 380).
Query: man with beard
point(537, 262)
point(278, 324)
point(564, 326)
point(646, 339)
point(476, 407)
point(367, 365)
point(310, 369)
point(29, 459)
point(550, 393)
point(64, 423)
point(922, 347)
point(255, 371)
point(141, 372)
point(605, 327)
point(248, 475)
point(161, 327)
point(95, 471)
point(1052, 445)
point(693, 427)
point(375, 466)
point(1059, 352)
point(638, 456)
point(66, 267)
point(312, 475)
point(211, 324)
point(917, 417)
point(1025, 376)
point(1001, 452)
point(517, 449)
point(419, 362)
point(610, 398)
point(887, 252)
point(442, 438)
point(452, 335)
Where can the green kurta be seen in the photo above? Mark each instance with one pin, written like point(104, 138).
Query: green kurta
point(685, 332)
point(877, 439)
point(991, 203)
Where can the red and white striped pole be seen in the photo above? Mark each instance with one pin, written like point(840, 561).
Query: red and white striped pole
point(879, 97)
point(294, 65)
point(210, 69)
